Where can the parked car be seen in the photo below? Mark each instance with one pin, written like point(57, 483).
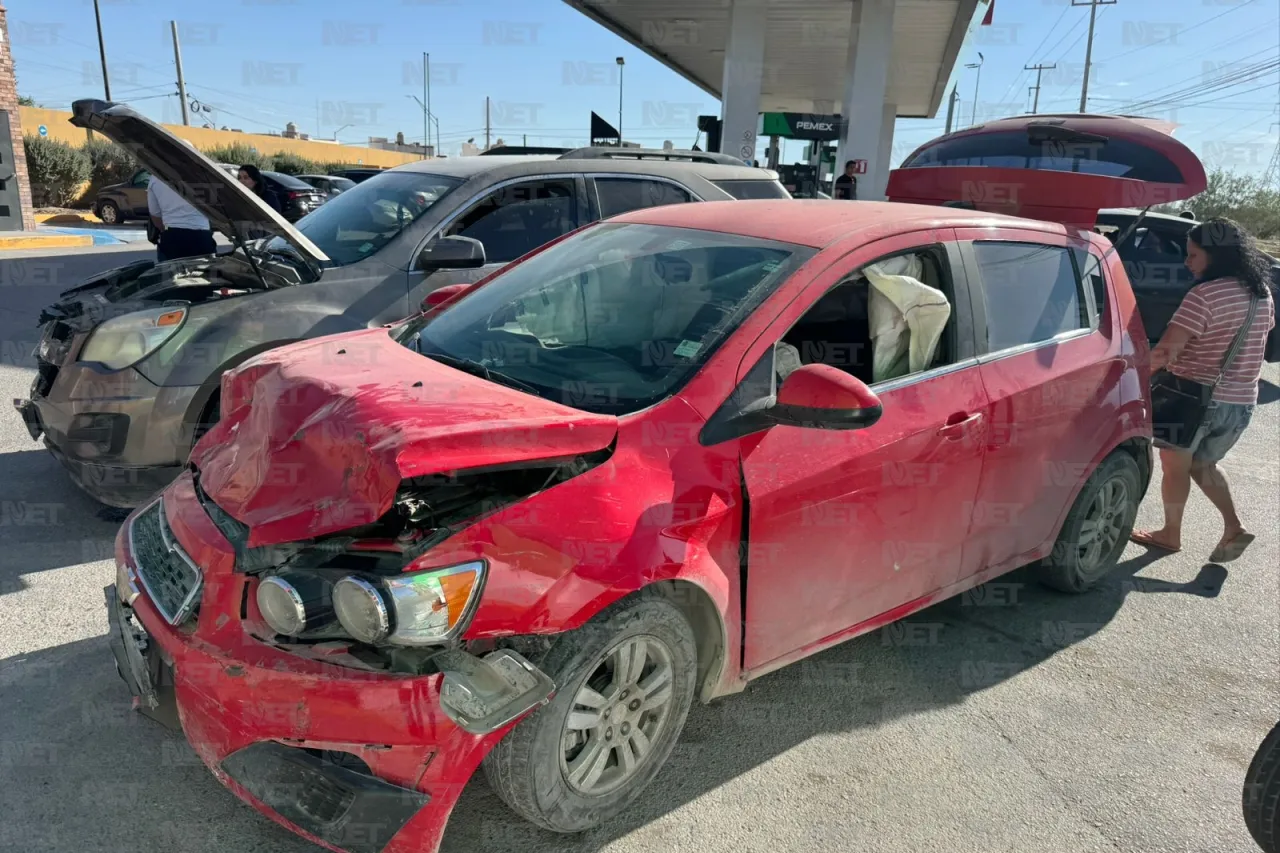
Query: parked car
point(1261, 798)
point(358, 175)
point(119, 203)
point(129, 362)
point(1155, 257)
point(328, 184)
point(297, 197)
point(647, 463)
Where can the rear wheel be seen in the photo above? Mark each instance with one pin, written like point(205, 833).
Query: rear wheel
point(1262, 794)
point(625, 682)
point(1097, 528)
point(109, 213)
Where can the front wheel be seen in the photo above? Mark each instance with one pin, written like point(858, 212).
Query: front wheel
point(1097, 528)
point(109, 213)
point(625, 682)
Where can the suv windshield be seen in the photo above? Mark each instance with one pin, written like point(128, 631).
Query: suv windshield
point(612, 320)
point(369, 215)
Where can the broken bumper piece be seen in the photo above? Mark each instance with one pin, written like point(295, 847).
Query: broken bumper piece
point(351, 810)
point(484, 694)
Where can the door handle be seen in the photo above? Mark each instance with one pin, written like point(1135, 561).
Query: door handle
point(955, 429)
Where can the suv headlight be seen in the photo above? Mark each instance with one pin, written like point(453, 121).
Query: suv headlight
point(415, 609)
point(124, 341)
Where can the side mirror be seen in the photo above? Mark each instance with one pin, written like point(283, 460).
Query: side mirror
point(822, 397)
point(441, 295)
point(452, 253)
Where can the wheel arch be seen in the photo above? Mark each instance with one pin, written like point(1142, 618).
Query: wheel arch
point(212, 386)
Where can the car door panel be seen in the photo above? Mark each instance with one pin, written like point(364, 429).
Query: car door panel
point(1051, 406)
point(1156, 266)
point(846, 525)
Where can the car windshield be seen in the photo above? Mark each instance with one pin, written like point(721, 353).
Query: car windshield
point(612, 320)
point(369, 215)
point(289, 182)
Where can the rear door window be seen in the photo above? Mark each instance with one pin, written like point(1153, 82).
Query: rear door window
point(753, 189)
point(621, 195)
point(1031, 293)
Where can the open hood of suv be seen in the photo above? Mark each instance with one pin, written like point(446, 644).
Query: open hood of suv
point(316, 437)
point(1059, 168)
point(231, 208)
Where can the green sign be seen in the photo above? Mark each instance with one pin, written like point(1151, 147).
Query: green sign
point(802, 126)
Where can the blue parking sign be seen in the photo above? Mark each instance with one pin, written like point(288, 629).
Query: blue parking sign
point(42, 130)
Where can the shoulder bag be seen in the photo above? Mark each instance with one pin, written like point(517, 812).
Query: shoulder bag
point(1179, 406)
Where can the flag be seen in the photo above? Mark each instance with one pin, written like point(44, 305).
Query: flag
point(991, 7)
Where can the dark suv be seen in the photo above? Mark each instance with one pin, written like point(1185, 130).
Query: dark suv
point(130, 362)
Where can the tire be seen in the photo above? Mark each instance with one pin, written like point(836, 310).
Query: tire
point(208, 418)
point(109, 213)
point(532, 767)
point(1113, 491)
point(1262, 794)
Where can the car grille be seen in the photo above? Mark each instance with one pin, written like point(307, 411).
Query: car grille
point(170, 577)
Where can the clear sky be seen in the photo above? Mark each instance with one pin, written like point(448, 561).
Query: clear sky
point(1213, 66)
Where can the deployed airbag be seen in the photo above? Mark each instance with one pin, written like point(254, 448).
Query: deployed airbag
point(906, 317)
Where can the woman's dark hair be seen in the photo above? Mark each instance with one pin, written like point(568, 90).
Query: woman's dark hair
point(1233, 253)
point(255, 174)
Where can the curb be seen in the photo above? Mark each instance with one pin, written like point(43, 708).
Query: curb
point(45, 241)
point(67, 218)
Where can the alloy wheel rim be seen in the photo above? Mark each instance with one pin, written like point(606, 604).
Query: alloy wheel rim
point(617, 716)
point(108, 214)
point(1102, 526)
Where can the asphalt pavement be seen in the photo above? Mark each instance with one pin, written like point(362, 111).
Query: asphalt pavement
point(1011, 719)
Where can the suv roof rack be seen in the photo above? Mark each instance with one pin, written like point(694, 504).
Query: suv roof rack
point(503, 150)
point(612, 153)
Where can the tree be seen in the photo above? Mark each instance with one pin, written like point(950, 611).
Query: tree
point(26, 101)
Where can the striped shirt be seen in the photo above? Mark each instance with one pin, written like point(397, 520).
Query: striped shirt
point(1213, 312)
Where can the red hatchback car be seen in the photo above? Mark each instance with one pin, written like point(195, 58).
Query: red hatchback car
point(649, 462)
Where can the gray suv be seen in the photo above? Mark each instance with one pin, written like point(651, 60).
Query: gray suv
point(129, 363)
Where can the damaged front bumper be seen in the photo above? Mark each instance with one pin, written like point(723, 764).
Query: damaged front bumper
point(354, 761)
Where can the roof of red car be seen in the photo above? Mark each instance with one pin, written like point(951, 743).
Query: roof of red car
point(818, 222)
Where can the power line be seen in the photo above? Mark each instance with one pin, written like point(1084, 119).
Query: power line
point(1235, 8)
point(1227, 81)
point(1034, 51)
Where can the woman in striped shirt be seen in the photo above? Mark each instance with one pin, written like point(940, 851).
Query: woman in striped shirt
point(1229, 270)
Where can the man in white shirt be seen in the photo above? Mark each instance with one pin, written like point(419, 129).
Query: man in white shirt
point(184, 231)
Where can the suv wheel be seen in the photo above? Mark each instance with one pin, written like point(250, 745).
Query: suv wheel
point(625, 681)
point(109, 213)
point(1262, 794)
point(1097, 529)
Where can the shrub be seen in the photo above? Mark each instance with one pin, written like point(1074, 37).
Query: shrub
point(237, 154)
point(110, 164)
point(57, 171)
point(290, 164)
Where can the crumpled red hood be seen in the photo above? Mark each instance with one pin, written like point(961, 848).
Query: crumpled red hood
point(315, 437)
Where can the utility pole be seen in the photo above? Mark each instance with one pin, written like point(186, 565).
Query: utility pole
point(177, 60)
point(1088, 51)
point(951, 108)
point(426, 109)
point(1040, 69)
point(102, 51)
point(621, 62)
point(486, 122)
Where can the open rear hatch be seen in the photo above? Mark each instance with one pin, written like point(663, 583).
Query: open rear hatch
point(1058, 168)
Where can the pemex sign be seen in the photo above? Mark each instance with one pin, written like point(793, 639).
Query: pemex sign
point(814, 126)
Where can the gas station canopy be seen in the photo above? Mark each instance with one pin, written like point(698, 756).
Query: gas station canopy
point(806, 47)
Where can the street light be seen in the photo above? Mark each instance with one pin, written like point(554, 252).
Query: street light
point(339, 130)
point(427, 115)
point(973, 119)
point(621, 62)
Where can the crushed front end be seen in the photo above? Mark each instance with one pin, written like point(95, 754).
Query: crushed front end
point(360, 744)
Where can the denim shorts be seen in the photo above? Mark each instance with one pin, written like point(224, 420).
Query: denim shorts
point(1223, 425)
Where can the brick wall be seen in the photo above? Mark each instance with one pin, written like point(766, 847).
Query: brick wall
point(9, 103)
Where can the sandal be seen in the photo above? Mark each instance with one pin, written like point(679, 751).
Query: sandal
point(1233, 549)
point(1144, 538)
